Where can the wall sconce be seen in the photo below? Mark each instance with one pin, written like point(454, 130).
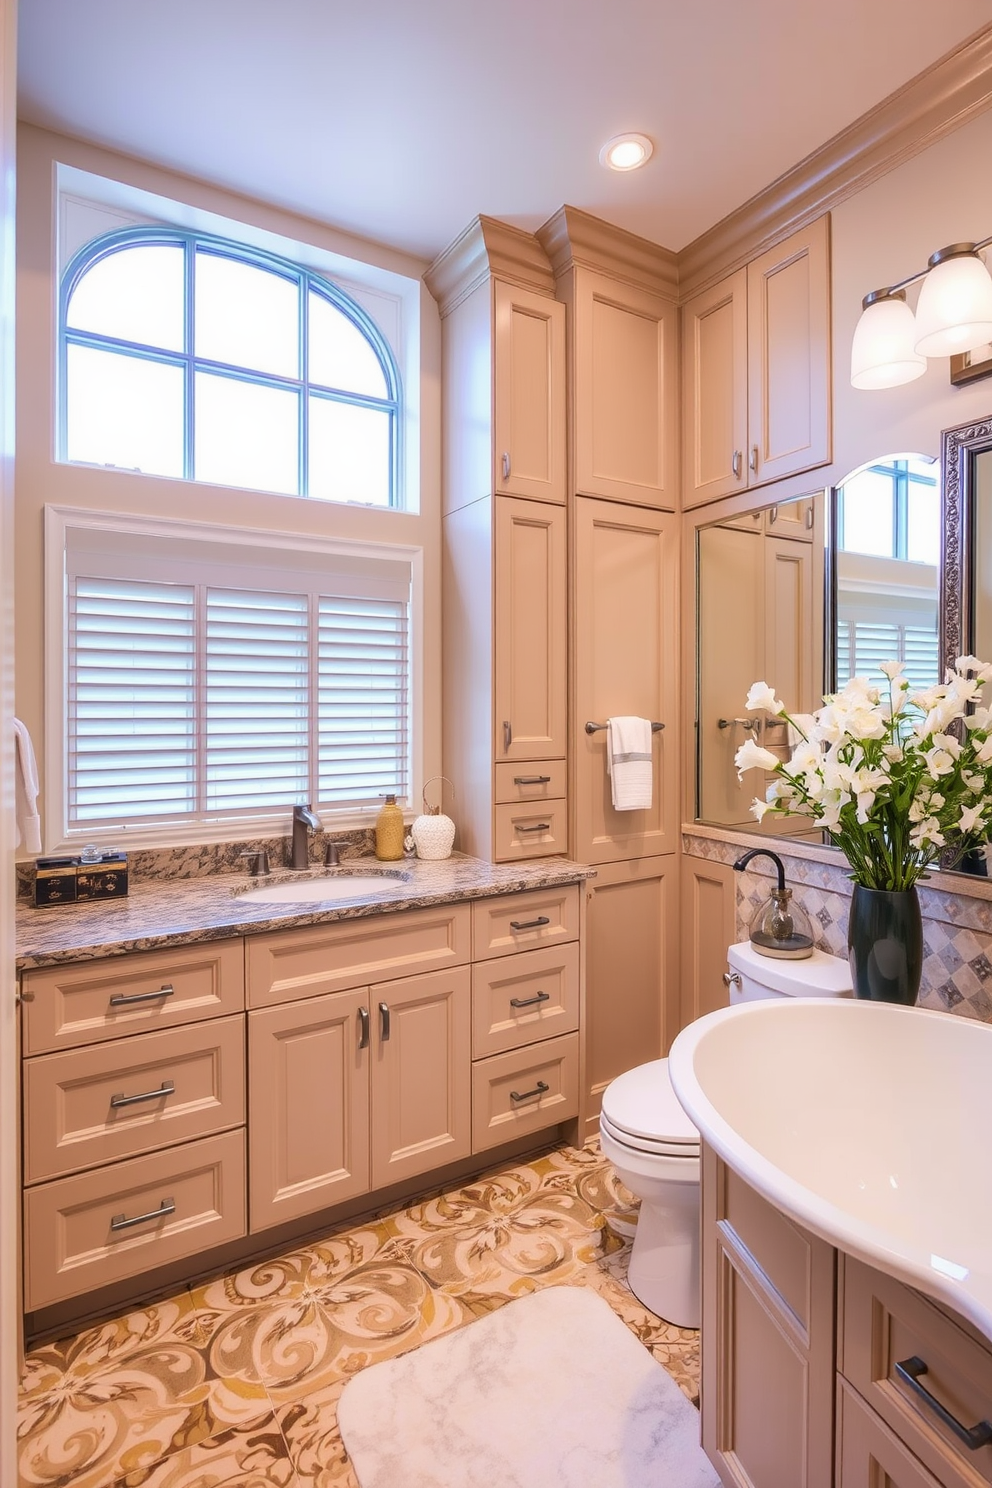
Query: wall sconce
point(953, 315)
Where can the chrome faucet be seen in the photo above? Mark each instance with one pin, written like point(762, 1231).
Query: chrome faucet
point(304, 822)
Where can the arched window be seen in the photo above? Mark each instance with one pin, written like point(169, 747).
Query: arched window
point(188, 356)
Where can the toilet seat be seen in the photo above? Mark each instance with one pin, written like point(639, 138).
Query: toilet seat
point(641, 1110)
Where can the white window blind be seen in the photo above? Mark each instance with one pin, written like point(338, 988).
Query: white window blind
point(190, 699)
point(862, 645)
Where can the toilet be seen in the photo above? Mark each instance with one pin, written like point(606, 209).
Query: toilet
point(654, 1147)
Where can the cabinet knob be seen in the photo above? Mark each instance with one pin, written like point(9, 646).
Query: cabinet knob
point(753, 462)
point(738, 464)
point(506, 466)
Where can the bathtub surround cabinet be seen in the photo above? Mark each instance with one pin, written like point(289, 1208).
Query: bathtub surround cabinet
point(182, 1099)
point(801, 1334)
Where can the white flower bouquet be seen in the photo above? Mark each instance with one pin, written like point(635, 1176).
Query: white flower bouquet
point(896, 778)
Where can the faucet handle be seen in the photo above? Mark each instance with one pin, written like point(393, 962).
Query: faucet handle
point(332, 855)
point(261, 860)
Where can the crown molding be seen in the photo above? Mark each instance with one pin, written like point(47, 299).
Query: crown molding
point(487, 248)
point(933, 104)
point(575, 238)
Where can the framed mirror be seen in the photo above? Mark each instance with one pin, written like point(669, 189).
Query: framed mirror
point(966, 573)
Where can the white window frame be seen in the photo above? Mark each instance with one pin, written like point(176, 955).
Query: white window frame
point(59, 523)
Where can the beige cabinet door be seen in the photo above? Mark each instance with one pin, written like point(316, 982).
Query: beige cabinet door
point(625, 650)
point(708, 897)
point(421, 1074)
point(631, 1010)
point(788, 336)
point(795, 519)
point(625, 393)
point(308, 1082)
point(529, 394)
point(530, 636)
point(714, 391)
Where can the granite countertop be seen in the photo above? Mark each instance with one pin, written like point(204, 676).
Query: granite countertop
point(174, 912)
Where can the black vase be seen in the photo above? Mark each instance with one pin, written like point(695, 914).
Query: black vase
point(885, 944)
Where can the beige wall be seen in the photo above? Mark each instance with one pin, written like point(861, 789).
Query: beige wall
point(40, 479)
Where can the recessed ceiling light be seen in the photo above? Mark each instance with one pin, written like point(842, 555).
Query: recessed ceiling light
point(625, 152)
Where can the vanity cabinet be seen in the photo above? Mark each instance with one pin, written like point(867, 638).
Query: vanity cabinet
point(504, 543)
point(756, 370)
point(801, 1334)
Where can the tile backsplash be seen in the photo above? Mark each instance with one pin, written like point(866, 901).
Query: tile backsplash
point(957, 926)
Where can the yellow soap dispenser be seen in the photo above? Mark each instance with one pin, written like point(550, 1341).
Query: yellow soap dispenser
point(389, 832)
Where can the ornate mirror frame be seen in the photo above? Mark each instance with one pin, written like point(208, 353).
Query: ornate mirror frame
point(959, 448)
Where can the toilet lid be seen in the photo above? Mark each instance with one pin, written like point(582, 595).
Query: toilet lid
point(643, 1104)
point(655, 1146)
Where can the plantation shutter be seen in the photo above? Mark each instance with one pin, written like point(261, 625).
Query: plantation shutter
point(863, 645)
point(195, 700)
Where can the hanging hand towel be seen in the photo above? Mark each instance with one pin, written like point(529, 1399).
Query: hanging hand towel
point(26, 790)
point(629, 763)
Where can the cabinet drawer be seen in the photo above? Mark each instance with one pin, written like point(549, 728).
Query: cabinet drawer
point(522, 999)
point(886, 1323)
point(868, 1454)
point(523, 922)
point(291, 964)
point(537, 831)
point(542, 780)
point(84, 1002)
point(87, 1106)
point(497, 1117)
point(193, 1197)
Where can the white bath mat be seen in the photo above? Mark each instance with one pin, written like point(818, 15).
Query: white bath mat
point(551, 1391)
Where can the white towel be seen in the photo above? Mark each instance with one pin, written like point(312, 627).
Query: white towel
point(629, 762)
point(26, 790)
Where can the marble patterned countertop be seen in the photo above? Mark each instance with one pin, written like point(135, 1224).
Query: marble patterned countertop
point(181, 911)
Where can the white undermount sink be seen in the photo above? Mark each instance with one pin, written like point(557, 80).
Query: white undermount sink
point(866, 1122)
point(332, 889)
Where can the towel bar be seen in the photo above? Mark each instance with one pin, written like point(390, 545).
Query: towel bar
point(592, 728)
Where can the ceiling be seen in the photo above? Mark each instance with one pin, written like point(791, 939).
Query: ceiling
point(401, 121)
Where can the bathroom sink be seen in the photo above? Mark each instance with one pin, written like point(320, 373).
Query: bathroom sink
point(865, 1122)
point(332, 889)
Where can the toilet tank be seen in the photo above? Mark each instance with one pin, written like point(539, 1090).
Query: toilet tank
point(754, 977)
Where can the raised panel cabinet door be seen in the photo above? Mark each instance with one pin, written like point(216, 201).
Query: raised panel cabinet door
point(625, 392)
point(308, 1081)
point(626, 653)
point(788, 329)
point(708, 912)
point(714, 391)
point(631, 1010)
point(869, 1455)
point(529, 356)
point(530, 640)
point(421, 1074)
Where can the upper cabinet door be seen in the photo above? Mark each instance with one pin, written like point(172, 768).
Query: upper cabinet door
point(788, 323)
point(625, 392)
point(529, 356)
point(714, 340)
point(530, 636)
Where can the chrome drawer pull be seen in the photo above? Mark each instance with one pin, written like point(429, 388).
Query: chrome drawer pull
point(532, 779)
point(121, 1221)
point(541, 827)
point(167, 1087)
point(384, 1020)
point(530, 924)
point(519, 1002)
point(363, 1028)
point(909, 1371)
point(121, 999)
point(539, 1089)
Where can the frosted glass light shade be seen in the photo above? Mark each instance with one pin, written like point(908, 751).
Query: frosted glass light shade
point(954, 311)
point(882, 353)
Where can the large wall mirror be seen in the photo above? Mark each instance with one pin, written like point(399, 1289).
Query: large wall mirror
point(805, 595)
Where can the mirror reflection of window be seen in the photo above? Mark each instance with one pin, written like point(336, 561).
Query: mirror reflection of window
point(888, 556)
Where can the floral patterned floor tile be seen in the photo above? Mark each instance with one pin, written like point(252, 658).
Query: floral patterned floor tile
point(310, 1426)
point(253, 1456)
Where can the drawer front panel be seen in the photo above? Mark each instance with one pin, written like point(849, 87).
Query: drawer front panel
point(523, 922)
point(522, 999)
point(84, 1002)
point(540, 780)
point(885, 1324)
point(88, 1106)
point(868, 1454)
point(78, 1233)
point(291, 964)
point(538, 831)
point(497, 1117)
